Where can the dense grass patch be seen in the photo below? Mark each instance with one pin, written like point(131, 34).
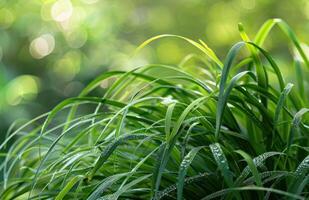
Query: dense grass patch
point(208, 128)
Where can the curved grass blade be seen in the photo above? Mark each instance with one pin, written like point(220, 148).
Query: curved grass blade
point(104, 185)
point(301, 176)
point(303, 168)
point(203, 47)
point(302, 185)
point(224, 75)
point(262, 78)
point(295, 126)
point(126, 187)
point(269, 24)
point(223, 97)
point(222, 163)
point(168, 119)
point(258, 162)
point(110, 149)
point(68, 187)
point(10, 137)
point(38, 170)
point(170, 142)
point(279, 107)
point(183, 170)
point(252, 167)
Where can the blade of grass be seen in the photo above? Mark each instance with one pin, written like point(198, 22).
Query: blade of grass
point(183, 170)
point(68, 187)
point(204, 48)
point(222, 163)
point(252, 166)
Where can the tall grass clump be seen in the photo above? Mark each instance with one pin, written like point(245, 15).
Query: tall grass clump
point(210, 128)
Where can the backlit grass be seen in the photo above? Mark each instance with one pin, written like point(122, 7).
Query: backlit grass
point(230, 128)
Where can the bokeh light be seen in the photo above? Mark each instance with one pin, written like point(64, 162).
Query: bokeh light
point(23, 87)
point(68, 66)
point(42, 46)
point(6, 18)
point(62, 10)
point(76, 39)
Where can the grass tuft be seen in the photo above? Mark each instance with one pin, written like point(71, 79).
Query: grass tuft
point(208, 128)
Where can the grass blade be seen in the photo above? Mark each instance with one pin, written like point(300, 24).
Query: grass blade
point(252, 167)
point(222, 163)
point(183, 170)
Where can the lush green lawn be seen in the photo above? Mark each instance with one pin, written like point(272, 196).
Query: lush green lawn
point(208, 128)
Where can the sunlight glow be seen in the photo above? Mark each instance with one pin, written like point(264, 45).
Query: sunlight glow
point(42, 46)
point(6, 18)
point(23, 87)
point(62, 10)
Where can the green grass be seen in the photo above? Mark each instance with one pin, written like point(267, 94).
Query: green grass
point(208, 128)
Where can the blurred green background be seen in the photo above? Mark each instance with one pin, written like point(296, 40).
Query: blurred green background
point(49, 49)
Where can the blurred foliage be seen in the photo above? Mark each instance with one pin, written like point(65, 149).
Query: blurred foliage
point(49, 49)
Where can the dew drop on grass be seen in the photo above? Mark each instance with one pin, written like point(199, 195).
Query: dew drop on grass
point(168, 100)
